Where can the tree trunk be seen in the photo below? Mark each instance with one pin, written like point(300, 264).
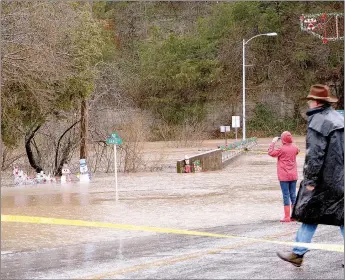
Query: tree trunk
point(65, 152)
point(83, 129)
point(64, 158)
point(29, 152)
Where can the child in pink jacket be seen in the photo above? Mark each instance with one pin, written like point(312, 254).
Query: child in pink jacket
point(286, 169)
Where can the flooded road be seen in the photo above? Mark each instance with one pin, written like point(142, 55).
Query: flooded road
point(242, 200)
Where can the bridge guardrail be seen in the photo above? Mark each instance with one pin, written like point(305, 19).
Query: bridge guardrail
point(214, 159)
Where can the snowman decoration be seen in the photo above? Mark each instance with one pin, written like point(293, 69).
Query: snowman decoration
point(19, 176)
point(84, 174)
point(40, 177)
point(15, 174)
point(65, 174)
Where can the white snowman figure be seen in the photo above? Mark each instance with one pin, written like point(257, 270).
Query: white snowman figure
point(15, 173)
point(22, 177)
point(40, 177)
point(65, 174)
point(19, 176)
point(84, 174)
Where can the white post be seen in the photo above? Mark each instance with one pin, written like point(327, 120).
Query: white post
point(244, 90)
point(115, 168)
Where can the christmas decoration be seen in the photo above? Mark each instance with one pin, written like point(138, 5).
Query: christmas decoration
point(326, 26)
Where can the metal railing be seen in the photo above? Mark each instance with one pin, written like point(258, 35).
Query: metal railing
point(232, 150)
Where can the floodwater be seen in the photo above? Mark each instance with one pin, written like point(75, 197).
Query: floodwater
point(243, 199)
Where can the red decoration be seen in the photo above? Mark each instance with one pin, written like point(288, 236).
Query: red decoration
point(317, 27)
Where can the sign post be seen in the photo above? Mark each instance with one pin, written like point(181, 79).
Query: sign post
point(225, 129)
point(114, 139)
point(115, 170)
point(236, 123)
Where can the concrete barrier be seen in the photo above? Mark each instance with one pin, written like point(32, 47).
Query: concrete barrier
point(216, 159)
point(210, 160)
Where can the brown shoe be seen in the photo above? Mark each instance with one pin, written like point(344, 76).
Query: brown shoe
point(296, 260)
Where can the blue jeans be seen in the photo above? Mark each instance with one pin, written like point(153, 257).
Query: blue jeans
point(289, 191)
point(305, 234)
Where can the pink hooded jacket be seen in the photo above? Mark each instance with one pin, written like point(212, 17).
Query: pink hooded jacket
point(286, 154)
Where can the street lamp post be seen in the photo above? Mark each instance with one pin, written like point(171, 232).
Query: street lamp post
point(244, 79)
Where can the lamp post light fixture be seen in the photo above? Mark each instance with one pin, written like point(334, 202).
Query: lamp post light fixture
point(244, 78)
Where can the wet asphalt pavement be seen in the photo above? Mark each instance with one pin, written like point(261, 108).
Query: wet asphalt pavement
point(237, 201)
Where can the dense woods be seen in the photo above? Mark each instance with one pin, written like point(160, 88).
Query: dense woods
point(153, 71)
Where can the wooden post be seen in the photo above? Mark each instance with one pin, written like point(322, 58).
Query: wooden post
point(83, 129)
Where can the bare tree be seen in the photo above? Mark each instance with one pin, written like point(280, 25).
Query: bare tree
point(48, 55)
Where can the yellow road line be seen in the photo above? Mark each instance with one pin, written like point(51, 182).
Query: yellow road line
point(140, 267)
point(81, 223)
point(173, 260)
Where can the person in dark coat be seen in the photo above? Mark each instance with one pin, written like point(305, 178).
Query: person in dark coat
point(320, 198)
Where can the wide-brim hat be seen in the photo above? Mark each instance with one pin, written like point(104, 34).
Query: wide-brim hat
point(322, 93)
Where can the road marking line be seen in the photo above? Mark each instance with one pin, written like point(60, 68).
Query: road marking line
point(81, 223)
point(173, 260)
point(140, 267)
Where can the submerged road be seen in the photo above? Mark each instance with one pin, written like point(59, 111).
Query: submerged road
point(237, 201)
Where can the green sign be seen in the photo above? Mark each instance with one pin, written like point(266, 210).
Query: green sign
point(114, 139)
